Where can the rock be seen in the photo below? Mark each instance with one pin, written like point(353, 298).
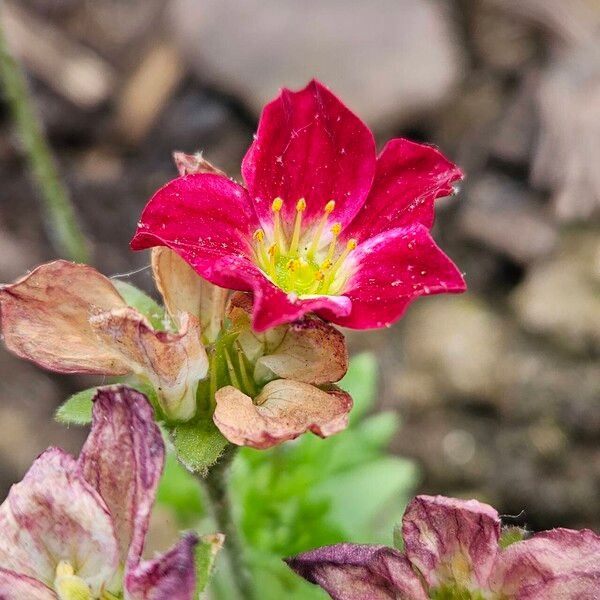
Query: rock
point(560, 298)
point(506, 216)
point(388, 59)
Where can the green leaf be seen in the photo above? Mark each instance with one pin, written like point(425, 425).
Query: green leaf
point(77, 410)
point(198, 443)
point(361, 382)
point(206, 552)
point(142, 302)
point(179, 491)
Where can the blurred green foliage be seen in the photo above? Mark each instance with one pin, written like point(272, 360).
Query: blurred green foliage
point(310, 492)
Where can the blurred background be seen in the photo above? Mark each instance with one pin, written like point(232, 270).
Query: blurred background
point(497, 390)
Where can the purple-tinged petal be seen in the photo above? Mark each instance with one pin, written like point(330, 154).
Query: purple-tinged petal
point(272, 306)
point(45, 318)
point(171, 576)
point(543, 557)
point(576, 586)
point(408, 178)
point(451, 541)
point(122, 459)
point(283, 410)
point(357, 572)
point(202, 217)
point(14, 586)
point(54, 515)
point(309, 145)
point(390, 271)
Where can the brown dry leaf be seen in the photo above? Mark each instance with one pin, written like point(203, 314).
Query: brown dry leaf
point(284, 410)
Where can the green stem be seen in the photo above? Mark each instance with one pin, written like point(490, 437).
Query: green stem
point(215, 484)
point(63, 227)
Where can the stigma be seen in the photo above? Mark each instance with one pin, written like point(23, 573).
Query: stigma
point(302, 261)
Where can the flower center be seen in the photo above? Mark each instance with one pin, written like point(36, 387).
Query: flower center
point(299, 264)
point(69, 586)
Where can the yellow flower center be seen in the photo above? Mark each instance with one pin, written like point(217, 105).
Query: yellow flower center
point(300, 265)
point(69, 586)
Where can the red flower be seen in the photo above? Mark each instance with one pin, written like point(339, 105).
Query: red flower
point(323, 224)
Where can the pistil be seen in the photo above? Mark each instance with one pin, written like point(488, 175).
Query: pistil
point(68, 586)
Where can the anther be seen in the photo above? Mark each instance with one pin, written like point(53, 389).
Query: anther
point(329, 207)
point(277, 233)
point(336, 229)
point(300, 208)
point(258, 235)
point(277, 204)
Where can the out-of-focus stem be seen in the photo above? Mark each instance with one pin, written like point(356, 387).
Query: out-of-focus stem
point(215, 484)
point(62, 222)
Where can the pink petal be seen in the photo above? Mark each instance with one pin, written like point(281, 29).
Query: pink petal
point(55, 515)
point(408, 178)
point(122, 459)
point(171, 576)
point(309, 145)
point(355, 572)
point(14, 586)
point(284, 410)
point(45, 318)
point(391, 270)
point(451, 541)
point(202, 217)
point(272, 306)
point(544, 557)
point(577, 586)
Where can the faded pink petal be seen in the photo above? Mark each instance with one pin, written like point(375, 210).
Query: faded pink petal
point(546, 556)
point(173, 362)
point(122, 459)
point(45, 318)
point(201, 217)
point(14, 586)
point(391, 270)
point(451, 541)
point(171, 576)
point(357, 572)
point(189, 164)
point(309, 145)
point(283, 410)
point(54, 515)
point(309, 350)
point(576, 586)
point(408, 178)
point(184, 291)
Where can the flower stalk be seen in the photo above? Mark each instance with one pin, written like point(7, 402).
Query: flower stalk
point(63, 226)
point(215, 484)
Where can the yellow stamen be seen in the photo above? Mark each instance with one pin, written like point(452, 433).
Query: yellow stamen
point(259, 237)
point(319, 276)
point(326, 264)
point(300, 208)
point(278, 233)
point(335, 231)
point(350, 245)
point(317, 237)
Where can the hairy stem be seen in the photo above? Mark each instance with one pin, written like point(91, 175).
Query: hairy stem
point(215, 484)
point(63, 227)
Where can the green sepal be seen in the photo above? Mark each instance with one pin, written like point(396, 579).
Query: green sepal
point(511, 535)
point(206, 552)
point(77, 410)
point(143, 303)
point(198, 443)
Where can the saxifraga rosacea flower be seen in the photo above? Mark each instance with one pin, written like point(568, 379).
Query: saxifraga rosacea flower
point(75, 529)
point(322, 225)
point(453, 551)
